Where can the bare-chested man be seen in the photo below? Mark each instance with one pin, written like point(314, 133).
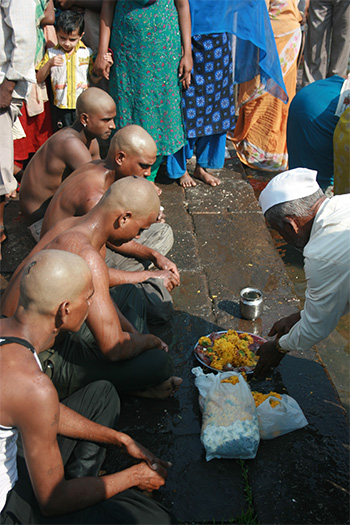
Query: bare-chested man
point(110, 346)
point(65, 151)
point(132, 152)
point(60, 456)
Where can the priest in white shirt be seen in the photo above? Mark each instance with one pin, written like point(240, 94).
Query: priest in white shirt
point(295, 206)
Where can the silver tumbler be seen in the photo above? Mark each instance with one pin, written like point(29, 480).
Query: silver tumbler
point(251, 303)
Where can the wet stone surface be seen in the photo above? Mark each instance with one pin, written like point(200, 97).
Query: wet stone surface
point(221, 246)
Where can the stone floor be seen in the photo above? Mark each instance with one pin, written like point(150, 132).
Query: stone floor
point(222, 245)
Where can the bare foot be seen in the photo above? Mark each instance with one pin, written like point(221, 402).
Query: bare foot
point(186, 181)
point(159, 191)
point(205, 176)
point(162, 391)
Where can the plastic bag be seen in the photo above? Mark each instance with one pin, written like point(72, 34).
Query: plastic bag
point(285, 417)
point(230, 426)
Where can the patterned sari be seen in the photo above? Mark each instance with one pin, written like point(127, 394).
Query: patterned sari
point(260, 132)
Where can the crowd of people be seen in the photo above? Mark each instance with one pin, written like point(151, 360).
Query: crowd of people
point(94, 96)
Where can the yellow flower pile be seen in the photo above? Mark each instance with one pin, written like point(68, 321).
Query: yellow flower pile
point(260, 398)
point(232, 379)
point(229, 349)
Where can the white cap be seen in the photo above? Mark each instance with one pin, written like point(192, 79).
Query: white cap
point(288, 186)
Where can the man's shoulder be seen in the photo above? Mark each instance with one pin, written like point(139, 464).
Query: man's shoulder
point(33, 387)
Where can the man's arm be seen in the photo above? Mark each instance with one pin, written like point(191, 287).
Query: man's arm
point(74, 153)
point(104, 322)
point(73, 425)
point(327, 295)
point(117, 277)
point(140, 251)
point(39, 418)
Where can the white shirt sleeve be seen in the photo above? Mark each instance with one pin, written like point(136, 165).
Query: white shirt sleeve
point(327, 299)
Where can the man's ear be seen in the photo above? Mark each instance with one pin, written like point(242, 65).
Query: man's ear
point(62, 315)
point(123, 219)
point(292, 222)
point(84, 119)
point(119, 158)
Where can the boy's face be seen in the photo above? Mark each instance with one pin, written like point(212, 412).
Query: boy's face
point(68, 41)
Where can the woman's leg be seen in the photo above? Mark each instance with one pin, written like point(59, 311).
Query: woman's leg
point(176, 165)
point(210, 152)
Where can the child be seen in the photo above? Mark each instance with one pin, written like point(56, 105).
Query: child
point(69, 64)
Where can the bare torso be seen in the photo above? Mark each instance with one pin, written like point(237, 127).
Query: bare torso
point(61, 154)
point(68, 236)
point(80, 192)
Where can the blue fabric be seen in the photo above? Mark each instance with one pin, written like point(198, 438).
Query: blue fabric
point(256, 51)
point(210, 153)
point(208, 103)
point(310, 128)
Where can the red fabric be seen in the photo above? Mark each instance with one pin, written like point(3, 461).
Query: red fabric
point(37, 129)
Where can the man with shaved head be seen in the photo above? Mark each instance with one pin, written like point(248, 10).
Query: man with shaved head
point(109, 346)
point(54, 475)
point(132, 152)
point(65, 151)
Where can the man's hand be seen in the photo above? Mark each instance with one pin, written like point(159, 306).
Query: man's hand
point(284, 325)
point(169, 278)
point(270, 357)
point(137, 451)
point(6, 90)
point(163, 263)
point(148, 479)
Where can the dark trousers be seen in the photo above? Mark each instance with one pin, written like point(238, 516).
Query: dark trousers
point(62, 118)
point(98, 402)
point(76, 360)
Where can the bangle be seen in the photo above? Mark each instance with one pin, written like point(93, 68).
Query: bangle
point(280, 349)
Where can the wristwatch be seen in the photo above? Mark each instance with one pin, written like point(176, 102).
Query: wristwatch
point(280, 349)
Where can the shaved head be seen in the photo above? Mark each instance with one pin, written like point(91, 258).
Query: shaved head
point(52, 277)
point(133, 194)
point(92, 100)
point(133, 139)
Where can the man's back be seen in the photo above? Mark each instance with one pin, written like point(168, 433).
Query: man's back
point(56, 159)
point(80, 192)
point(66, 236)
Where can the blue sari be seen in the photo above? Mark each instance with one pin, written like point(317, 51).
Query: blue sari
point(256, 51)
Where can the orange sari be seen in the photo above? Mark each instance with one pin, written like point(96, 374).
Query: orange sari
point(260, 133)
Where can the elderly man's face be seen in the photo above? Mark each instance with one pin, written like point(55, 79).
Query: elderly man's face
point(298, 240)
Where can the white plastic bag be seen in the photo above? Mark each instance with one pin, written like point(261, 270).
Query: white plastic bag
point(230, 426)
point(280, 419)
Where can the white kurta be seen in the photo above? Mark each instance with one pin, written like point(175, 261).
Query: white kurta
point(327, 271)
